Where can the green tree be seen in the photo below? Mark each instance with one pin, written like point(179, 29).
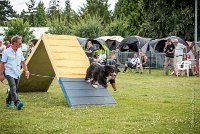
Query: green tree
point(117, 27)
point(6, 12)
point(171, 17)
point(54, 10)
point(88, 27)
point(59, 27)
point(24, 16)
point(19, 27)
point(131, 11)
point(31, 12)
point(96, 8)
point(67, 11)
point(40, 16)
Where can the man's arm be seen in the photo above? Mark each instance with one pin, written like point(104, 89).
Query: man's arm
point(24, 66)
point(2, 64)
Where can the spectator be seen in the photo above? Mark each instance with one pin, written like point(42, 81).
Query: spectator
point(169, 49)
point(96, 56)
point(90, 47)
point(2, 48)
point(178, 55)
point(134, 62)
point(143, 63)
point(112, 59)
point(8, 44)
point(102, 57)
point(31, 45)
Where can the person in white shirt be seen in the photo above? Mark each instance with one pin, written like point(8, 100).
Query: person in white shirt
point(178, 55)
point(10, 66)
point(134, 62)
point(2, 48)
point(102, 57)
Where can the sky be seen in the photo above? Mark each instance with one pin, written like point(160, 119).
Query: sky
point(19, 5)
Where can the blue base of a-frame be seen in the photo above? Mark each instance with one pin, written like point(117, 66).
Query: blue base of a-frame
point(80, 93)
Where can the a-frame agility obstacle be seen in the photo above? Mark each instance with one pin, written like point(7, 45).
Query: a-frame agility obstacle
point(62, 57)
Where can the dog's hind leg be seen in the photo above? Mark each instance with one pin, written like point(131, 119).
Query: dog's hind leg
point(103, 83)
point(87, 77)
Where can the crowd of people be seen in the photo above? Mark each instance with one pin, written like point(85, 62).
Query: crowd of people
point(102, 57)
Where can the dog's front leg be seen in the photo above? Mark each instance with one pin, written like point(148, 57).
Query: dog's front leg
point(94, 83)
point(112, 82)
point(104, 84)
point(114, 86)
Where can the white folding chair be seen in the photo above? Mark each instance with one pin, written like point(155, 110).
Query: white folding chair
point(184, 66)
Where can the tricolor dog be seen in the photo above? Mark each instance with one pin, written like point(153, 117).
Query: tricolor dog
point(102, 74)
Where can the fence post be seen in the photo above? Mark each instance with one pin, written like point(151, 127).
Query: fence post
point(150, 63)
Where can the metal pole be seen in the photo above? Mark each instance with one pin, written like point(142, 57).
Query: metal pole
point(196, 22)
point(198, 56)
point(193, 108)
point(150, 63)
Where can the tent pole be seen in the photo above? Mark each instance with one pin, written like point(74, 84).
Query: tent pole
point(196, 21)
point(198, 56)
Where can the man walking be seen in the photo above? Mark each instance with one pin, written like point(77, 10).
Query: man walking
point(11, 62)
point(178, 56)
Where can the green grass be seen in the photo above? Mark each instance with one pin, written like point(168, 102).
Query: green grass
point(148, 103)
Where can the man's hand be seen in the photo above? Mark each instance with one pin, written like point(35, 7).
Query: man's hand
point(2, 77)
point(27, 74)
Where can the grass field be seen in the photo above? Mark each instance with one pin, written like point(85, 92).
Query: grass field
point(148, 103)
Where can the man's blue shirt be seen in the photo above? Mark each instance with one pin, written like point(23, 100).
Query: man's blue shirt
point(13, 62)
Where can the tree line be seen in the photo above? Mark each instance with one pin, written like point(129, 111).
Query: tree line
point(148, 18)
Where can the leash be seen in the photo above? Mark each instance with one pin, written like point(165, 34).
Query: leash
point(38, 75)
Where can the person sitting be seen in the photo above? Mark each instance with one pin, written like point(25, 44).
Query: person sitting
point(96, 56)
point(102, 57)
point(90, 47)
point(2, 48)
point(133, 63)
point(112, 59)
point(143, 62)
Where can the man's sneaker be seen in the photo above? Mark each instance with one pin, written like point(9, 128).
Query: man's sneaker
point(19, 105)
point(9, 104)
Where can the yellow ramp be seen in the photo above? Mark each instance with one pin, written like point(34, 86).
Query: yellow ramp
point(53, 55)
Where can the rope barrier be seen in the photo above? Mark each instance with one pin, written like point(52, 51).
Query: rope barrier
point(37, 75)
point(44, 76)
